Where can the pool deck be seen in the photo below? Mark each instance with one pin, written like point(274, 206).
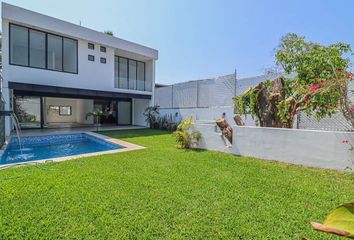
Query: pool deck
point(67, 130)
point(87, 130)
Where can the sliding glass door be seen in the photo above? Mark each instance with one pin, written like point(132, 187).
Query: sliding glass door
point(109, 108)
point(124, 112)
point(28, 111)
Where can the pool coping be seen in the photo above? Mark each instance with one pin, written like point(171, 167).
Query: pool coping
point(126, 146)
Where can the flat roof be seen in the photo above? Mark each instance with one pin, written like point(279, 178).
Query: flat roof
point(33, 19)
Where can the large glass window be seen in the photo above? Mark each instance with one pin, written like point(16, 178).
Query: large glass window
point(28, 111)
point(33, 48)
point(123, 73)
point(70, 55)
point(55, 53)
point(129, 74)
point(37, 49)
point(141, 76)
point(18, 45)
point(132, 74)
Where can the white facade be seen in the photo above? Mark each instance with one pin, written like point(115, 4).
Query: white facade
point(91, 75)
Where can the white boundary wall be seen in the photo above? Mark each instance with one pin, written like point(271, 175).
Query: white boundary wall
point(313, 148)
point(212, 139)
point(206, 114)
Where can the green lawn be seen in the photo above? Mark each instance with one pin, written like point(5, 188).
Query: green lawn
point(162, 192)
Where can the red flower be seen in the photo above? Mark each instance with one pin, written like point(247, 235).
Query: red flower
point(337, 72)
point(328, 106)
point(352, 109)
point(349, 75)
point(316, 86)
point(345, 141)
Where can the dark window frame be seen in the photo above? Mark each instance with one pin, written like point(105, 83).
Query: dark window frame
point(103, 49)
point(59, 107)
point(28, 42)
point(46, 50)
point(91, 46)
point(127, 72)
point(77, 55)
point(136, 84)
point(92, 59)
point(103, 60)
point(70, 111)
point(136, 74)
point(62, 53)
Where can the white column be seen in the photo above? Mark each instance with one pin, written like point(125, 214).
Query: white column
point(152, 101)
point(8, 122)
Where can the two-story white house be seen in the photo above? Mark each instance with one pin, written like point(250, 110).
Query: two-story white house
point(55, 72)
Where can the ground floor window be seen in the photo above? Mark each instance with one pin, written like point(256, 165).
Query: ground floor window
point(28, 111)
point(54, 112)
point(60, 110)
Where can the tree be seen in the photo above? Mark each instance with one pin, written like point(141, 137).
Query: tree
point(317, 83)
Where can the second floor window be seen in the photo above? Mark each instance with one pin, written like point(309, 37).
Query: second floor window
point(130, 74)
point(54, 51)
point(37, 49)
point(33, 48)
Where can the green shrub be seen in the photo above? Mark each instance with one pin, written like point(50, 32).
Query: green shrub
point(151, 115)
point(185, 136)
point(167, 122)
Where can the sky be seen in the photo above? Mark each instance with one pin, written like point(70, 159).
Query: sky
point(199, 39)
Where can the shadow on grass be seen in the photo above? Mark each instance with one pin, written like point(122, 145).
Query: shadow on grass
point(191, 149)
point(133, 133)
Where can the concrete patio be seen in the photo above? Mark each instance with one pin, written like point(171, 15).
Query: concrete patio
point(51, 131)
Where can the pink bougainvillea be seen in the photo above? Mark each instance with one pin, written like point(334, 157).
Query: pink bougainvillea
point(349, 75)
point(328, 106)
point(315, 87)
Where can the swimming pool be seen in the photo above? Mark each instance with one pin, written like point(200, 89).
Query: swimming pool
point(54, 146)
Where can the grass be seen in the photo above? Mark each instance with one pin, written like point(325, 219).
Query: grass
point(162, 192)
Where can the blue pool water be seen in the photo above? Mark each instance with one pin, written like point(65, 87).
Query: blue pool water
point(53, 146)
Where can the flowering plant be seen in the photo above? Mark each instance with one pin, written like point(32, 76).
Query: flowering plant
point(317, 82)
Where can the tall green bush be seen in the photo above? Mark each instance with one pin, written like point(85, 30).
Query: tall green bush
point(185, 136)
